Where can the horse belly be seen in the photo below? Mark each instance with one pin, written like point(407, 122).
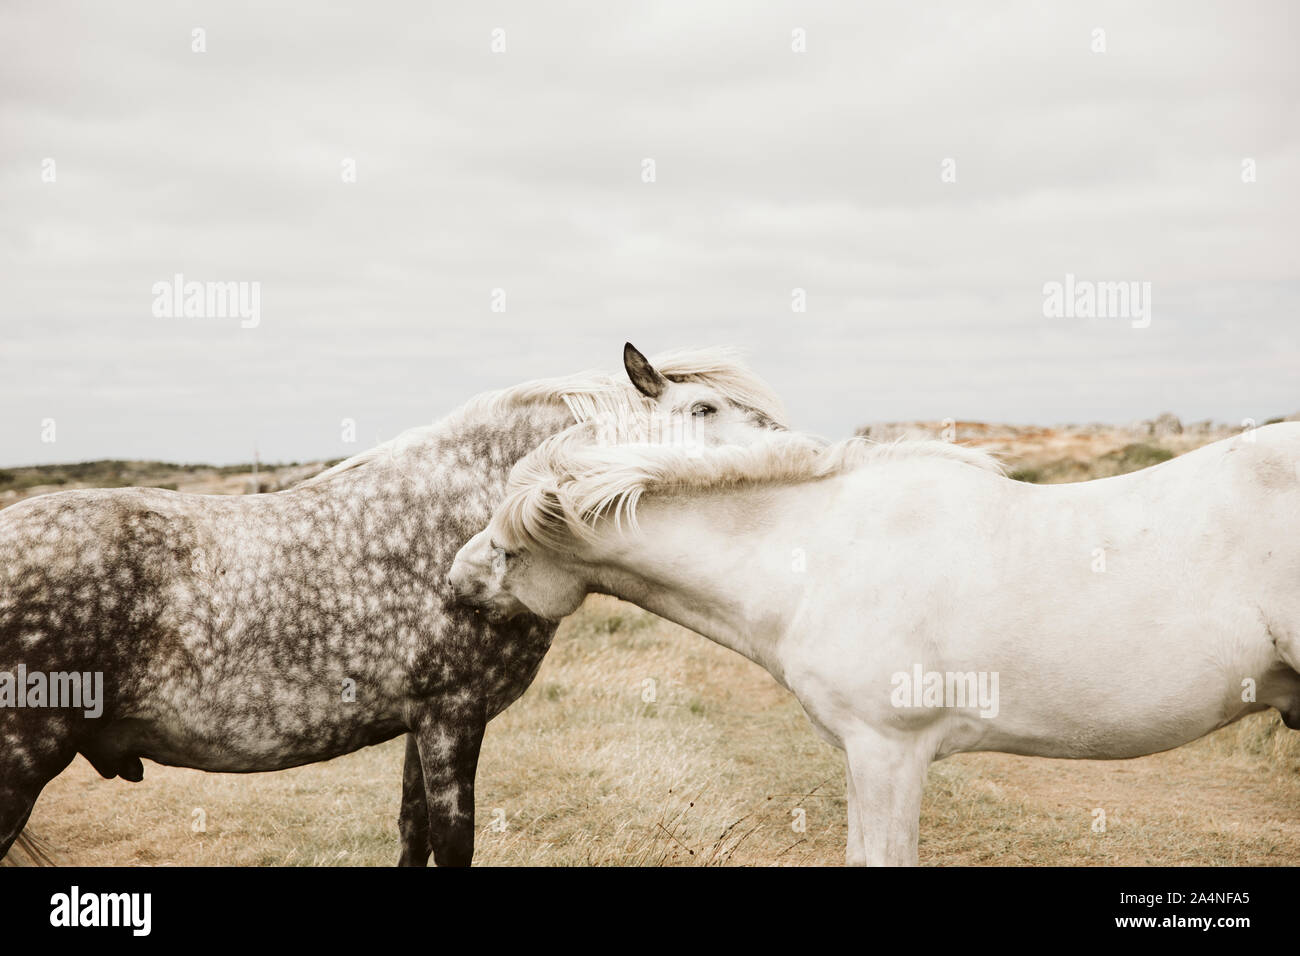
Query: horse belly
point(1102, 695)
point(239, 738)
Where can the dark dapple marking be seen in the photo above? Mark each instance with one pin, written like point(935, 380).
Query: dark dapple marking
point(225, 627)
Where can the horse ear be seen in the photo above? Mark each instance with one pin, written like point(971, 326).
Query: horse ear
point(643, 375)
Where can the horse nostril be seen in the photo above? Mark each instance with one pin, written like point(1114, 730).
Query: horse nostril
point(463, 588)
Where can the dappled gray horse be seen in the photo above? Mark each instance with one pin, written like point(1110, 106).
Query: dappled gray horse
point(253, 633)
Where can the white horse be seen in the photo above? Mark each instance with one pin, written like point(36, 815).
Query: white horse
point(918, 603)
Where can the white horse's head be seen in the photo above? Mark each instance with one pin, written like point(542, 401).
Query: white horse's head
point(505, 583)
point(506, 569)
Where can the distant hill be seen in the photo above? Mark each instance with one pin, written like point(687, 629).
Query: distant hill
point(1060, 453)
point(24, 482)
point(1035, 453)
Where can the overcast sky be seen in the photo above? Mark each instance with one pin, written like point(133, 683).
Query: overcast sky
point(523, 170)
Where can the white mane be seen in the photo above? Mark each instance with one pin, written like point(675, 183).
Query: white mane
point(595, 395)
point(569, 482)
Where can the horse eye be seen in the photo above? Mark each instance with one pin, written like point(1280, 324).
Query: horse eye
point(700, 409)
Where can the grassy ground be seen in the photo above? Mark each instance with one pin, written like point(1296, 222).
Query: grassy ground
point(585, 770)
point(707, 764)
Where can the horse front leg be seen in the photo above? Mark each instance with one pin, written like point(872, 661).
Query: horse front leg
point(886, 779)
point(448, 743)
point(855, 830)
point(413, 823)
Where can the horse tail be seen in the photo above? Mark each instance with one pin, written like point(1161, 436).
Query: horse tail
point(29, 850)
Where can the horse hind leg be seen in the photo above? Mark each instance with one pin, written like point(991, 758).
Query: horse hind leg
point(15, 808)
point(25, 769)
point(1286, 641)
point(29, 850)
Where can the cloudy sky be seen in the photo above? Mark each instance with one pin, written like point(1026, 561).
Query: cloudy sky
point(523, 170)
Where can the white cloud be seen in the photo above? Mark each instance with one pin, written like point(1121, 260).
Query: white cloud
point(521, 171)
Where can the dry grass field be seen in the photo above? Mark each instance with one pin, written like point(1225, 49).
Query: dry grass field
point(641, 743)
point(582, 770)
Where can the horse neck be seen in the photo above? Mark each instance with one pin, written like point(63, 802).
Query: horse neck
point(723, 565)
point(459, 465)
point(499, 438)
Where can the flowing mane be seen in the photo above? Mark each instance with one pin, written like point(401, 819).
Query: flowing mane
point(570, 482)
point(595, 395)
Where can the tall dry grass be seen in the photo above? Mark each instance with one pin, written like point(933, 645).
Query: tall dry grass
point(586, 770)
